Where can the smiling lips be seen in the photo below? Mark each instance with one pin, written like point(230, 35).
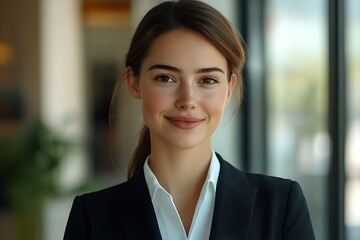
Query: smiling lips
point(185, 122)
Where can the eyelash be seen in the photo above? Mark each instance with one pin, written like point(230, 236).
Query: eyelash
point(204, 80)
point(161, 78)
point(212, 79)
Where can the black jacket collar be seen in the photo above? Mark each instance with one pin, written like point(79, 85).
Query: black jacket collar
point(234, 204)
point(233, 210)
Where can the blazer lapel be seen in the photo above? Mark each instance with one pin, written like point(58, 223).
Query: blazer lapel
point(234, 204)
point(137, 213)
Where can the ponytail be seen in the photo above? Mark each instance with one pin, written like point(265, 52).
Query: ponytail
point(141, 152)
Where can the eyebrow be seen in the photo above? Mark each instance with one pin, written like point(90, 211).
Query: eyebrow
point(174, 69)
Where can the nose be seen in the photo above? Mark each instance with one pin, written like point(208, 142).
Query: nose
point(186, 99)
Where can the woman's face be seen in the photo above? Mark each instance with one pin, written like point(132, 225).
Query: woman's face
point(183, 86)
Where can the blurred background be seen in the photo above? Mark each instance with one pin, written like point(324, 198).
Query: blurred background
point(60, 60)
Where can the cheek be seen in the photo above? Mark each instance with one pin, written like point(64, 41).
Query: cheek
point(153, 101)
point(215, 104)
point(150, 105)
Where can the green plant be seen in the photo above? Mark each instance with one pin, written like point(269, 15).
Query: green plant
point(28, 165)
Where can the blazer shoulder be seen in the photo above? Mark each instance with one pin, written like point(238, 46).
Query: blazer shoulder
point(109, 193)
point(282, 191)
point(134, 189)
point(263, 181)
point(267, 186)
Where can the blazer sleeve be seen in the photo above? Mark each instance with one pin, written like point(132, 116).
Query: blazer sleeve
point(297, 222)
point(76, 227)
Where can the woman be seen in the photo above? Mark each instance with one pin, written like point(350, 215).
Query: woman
point(183, 64)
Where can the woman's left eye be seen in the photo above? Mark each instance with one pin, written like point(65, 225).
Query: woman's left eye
point(208, 81)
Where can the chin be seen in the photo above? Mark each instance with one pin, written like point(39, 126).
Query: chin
point(187, 144)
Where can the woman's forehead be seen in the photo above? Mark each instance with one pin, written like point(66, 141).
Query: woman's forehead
point(184, 48)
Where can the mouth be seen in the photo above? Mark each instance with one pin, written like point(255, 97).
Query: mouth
point(185, 122)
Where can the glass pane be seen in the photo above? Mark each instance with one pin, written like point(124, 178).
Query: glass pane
point(298, 140)
point(352, 162)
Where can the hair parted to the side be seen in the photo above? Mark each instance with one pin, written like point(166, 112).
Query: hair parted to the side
point(190, 14)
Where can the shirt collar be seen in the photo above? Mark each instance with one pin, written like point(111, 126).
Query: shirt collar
point(151, 180)
point(211, 179)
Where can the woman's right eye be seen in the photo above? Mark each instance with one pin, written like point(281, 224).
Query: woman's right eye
point(164, 79)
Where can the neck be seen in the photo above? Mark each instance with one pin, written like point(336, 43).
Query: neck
point(182, 172)
point(180, 168)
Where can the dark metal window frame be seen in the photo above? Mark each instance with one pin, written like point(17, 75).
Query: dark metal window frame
point(337, 118)
point(253, 112)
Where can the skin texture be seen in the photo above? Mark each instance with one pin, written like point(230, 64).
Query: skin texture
point(184, 88)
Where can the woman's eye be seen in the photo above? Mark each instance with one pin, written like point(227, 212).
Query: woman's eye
point(164, 79)
point(208, 81)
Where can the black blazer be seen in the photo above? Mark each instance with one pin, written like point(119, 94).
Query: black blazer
point(247, 206)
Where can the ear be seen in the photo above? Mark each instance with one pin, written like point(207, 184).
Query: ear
point(132, 83)
point(232, 84)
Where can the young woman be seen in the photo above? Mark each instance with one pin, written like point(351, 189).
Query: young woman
point(184, 64)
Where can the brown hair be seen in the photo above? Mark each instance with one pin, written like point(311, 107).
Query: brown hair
point(194, 15)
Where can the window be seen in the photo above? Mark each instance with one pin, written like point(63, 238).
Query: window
point(296, 88)
point(352, 160)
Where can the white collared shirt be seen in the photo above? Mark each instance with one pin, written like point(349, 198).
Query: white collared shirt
point(168, 218)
